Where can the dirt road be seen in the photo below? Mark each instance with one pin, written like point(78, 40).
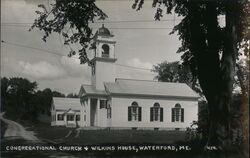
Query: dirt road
point(14, 129)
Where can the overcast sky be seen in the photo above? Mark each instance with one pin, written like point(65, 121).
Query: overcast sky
point(140, 48)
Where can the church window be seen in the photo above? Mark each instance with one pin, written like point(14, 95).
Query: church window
point(105, 51)
point(59, 117)
point(134, 112)
point(177, 113)
point(156, 113)
point(103, 104)
point(77, 117)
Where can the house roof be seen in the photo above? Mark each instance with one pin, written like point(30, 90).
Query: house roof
point(90, 90)
point(149, 88)
point(66, 103)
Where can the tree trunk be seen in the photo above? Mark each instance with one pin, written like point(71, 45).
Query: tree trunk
point(216, 76)
point(220, 100)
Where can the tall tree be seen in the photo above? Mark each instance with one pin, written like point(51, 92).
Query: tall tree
point(176, 72)
point(21, 99)
point(44, 100)
point(58, 94)
point(4, 86)
point(211, 51)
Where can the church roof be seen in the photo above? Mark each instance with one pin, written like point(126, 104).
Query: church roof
point(149, 88)
point(66, 103)
point(91, 90)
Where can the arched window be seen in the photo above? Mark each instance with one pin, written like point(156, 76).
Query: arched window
point(105, 52)
point(177, 113)
point(156, 113)
point(134, 112)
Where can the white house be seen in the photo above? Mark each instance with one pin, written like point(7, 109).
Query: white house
point(65, 112)
point(135, 104)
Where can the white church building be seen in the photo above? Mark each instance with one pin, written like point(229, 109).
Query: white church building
point(115, 103)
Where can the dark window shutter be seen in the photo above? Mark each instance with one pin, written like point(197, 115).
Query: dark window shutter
point(107, 113)
point(129, 114)
point(173, 114)
point(139, 114)
point(161, 114)
point(106, 104)
point(151, 114)
point(110, 112)
point(182, 115)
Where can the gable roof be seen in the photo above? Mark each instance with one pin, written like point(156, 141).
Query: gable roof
point(66, 103)
point(91, 90)
point(149, 88)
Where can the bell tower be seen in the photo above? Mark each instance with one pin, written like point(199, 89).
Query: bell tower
point(103, 67)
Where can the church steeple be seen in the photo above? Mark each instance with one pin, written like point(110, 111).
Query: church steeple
point(103, 68)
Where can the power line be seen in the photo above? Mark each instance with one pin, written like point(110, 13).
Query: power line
point(18, 24)
point(139, 68)
point(25, 25)
point(116, 28)
point(55, 53)
point(14, 25)
point(34, 48)
point(113, 0)
point(119, 21)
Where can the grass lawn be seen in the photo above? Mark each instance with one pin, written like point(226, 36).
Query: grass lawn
point(70, 136)
point(45, 131)
point(58, 134)
point(128, 136)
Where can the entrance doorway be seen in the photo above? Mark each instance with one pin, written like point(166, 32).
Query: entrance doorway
point(93, 112)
